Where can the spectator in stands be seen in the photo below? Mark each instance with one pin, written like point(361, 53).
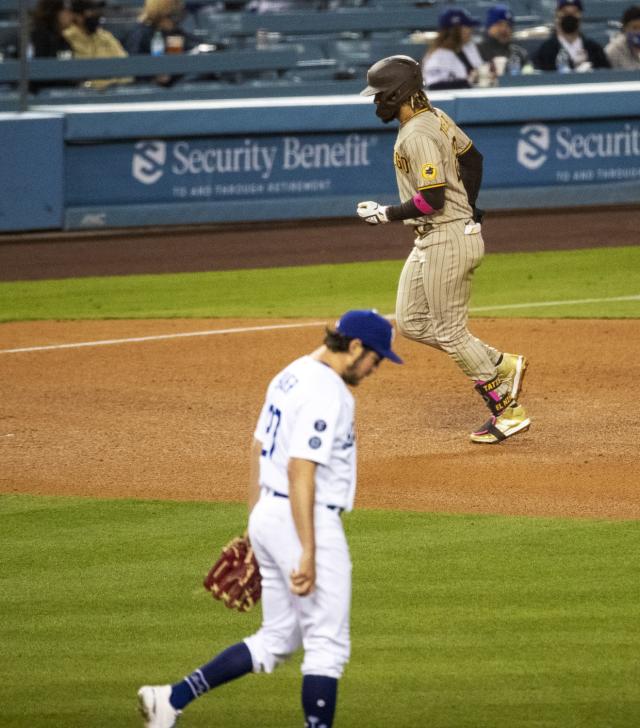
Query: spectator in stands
point(453, 59)
point(49, 19)
point(88, 40)
point(159, 16)
point(268, 6)
point(624, 50)
point(568, 49)
point(498, 41)
point(283, 6)
point(161, 20)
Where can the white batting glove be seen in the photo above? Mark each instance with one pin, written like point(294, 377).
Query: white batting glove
point(372, 212)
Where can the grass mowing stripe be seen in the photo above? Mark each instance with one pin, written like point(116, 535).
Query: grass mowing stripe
point(458, 621)
point(327, 290)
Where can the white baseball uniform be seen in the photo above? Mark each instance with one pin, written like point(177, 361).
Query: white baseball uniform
point(308, 414)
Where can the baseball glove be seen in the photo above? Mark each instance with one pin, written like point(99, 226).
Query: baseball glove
point(235, 578)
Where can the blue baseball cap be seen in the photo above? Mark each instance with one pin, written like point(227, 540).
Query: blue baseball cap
point(563, 3)
point(373, 330)
point(456, 17)
point(498, 13)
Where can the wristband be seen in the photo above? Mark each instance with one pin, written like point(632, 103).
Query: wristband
point(422, 205)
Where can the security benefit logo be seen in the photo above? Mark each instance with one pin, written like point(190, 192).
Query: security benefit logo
point(580, 152)
point(245, 167)
point(148, 161)
point(533, 145)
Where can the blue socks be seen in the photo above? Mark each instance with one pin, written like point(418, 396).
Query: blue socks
point(234, 662)
point(318, 691)
point(319, 700)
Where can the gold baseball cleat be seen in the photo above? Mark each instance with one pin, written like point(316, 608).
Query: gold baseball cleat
point(512, 369)
point(512, 421)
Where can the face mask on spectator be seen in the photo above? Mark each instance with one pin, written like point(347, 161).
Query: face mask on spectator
point(569, 23)
point(91, 23)
point(633, 39)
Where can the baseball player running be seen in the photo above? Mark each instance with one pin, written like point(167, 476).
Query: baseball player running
point(439, 171)
point(302, 477)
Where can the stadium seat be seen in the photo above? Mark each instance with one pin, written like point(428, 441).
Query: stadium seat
point(9, 38)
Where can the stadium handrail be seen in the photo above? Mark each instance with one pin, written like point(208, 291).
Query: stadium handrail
point(45, 69)
point(363, 20)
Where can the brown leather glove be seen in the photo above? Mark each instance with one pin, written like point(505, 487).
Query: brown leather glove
point(235, 577)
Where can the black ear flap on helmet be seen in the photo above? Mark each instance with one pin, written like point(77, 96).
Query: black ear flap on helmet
point(393, 80)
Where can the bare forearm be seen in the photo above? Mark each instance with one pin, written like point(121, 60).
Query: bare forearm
point(253, 490)
point(302, 489)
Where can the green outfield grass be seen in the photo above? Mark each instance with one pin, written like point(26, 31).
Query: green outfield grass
point(327, 290)
point(458, 621)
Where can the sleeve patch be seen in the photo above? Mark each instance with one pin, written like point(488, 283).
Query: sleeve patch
point(429, 171)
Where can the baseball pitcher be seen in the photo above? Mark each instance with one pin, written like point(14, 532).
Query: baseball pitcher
point(439, 171)
point(303, 477)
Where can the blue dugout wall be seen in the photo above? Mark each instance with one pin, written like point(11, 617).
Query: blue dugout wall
point(97, 166)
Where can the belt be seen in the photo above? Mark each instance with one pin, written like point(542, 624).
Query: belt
point(426, 228)
point(277, 494)
point(422, 230)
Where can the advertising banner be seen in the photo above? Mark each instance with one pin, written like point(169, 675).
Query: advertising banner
point(229, 169)
point(326, 174)
point(562, 153)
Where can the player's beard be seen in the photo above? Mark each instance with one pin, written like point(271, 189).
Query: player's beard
point(385, 113)
point(351, 375)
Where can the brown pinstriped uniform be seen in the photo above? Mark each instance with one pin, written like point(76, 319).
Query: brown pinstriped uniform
point(435, 285)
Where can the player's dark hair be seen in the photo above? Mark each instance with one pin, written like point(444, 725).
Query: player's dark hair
point(419, 101)
point(335, 341)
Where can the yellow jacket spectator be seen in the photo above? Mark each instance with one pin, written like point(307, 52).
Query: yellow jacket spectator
point(88, 40)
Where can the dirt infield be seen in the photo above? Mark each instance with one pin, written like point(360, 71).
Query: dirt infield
point(173, 418)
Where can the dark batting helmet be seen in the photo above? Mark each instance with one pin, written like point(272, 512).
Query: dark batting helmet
point(393, 80)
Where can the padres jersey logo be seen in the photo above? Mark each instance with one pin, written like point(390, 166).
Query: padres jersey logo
point(401, 163)
point(428, 171)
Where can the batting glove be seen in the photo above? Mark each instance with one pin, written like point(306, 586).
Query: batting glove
point(372, 212)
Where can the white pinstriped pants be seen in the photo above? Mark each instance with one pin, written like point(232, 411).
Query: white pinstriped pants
point(432, 305)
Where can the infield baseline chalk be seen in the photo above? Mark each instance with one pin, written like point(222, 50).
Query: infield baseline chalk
point(161, 337)
point(541, 304)
point(275, 327)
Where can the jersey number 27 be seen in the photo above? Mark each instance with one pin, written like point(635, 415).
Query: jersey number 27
point(275, 415)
